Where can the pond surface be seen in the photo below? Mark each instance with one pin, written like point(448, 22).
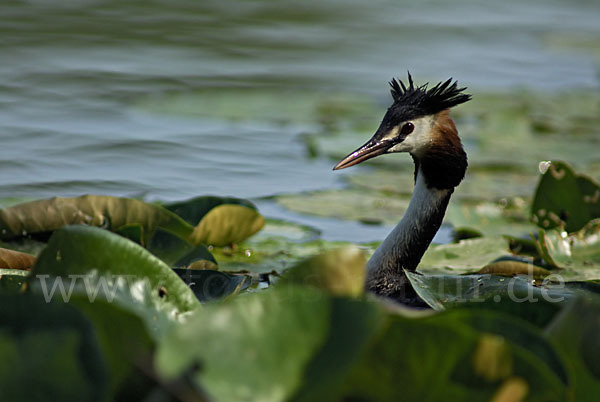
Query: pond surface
point(168, 100)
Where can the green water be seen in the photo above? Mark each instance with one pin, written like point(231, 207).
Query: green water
point(168, 100)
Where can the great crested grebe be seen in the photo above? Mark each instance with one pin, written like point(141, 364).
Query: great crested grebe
point(418, 122)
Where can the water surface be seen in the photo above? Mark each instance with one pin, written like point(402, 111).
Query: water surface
point(173, 99)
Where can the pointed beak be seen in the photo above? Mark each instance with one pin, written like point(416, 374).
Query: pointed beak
point(369, 150)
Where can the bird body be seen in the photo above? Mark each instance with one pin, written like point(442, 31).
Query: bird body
point(419, 123)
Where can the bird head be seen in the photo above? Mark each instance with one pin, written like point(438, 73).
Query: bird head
point(416, 122)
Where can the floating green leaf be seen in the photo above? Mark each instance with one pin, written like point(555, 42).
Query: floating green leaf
point(108, 260)
point(240, 345)
point(465, 256)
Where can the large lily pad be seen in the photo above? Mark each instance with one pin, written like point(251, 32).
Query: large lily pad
point(104, 263)
point(535, 301)
point(104, 211)
point(240, 345)
point(445, 357)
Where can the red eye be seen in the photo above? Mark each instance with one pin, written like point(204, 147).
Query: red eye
point(407, 128)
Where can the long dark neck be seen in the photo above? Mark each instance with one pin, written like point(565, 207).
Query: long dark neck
point(404, 247)
point(436, 174)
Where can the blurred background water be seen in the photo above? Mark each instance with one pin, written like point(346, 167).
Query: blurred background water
point(168, 100)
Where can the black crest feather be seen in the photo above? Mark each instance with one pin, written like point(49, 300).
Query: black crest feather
point(418, 101)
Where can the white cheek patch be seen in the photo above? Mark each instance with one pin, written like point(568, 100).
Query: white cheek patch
point(420, 139)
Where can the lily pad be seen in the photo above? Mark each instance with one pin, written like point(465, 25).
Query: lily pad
point(240, 344)
point(124, 340)
point(479, 183)
point(575, 333)
point(578, 258)
point(564, 199)
point(450, 359)
point(15, 260)
point(102, 263)
point(466, 256)
point(515, 295)
point(177, 252)
point(49, 351)
point(193, 210)
point(339, 271)
point(104, 211)
point(350, 204)
point(276, 248)
point(276, 254)
point(503, 217)
point(227, 224)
